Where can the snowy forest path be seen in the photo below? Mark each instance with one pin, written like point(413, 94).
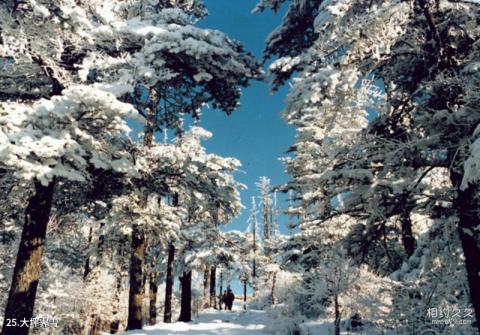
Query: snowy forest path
point(213, 322)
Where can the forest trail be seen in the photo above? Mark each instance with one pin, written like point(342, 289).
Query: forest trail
point(213, 322)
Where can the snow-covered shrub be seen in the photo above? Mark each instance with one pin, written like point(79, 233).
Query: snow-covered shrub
point(432, 279)
point(285, 321)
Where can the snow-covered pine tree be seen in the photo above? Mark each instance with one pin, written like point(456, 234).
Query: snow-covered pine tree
point(254, 228)
point(415, 55)
point(214, 199)
point(194, 178)
point(105, 44)
point(266, 251)
point(265, 188)
point(182, 68)
point(46, 142)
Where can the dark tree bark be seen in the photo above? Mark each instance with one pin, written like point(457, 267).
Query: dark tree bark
point(467, 206)
point(167, 311)
point(186, 303)
point(206, 282)
point(213, 284)
point(153, 290)
point(137, 288)
point(167, 315)
point(245, 295)
point(254, 277)
point(149, 127)
point(266, 231)
point(21, 298)
point(408, 240)
point(221, 291)
point(57, 86)
point(87, 269)
point(338, 315)
point(139, 246)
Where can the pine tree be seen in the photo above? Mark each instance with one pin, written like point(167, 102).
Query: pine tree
point(374, 101)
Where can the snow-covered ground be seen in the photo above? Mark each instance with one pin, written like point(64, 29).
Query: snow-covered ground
point(213, 322)
point(236, 322)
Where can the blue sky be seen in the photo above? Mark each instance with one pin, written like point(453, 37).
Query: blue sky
point(255, 133)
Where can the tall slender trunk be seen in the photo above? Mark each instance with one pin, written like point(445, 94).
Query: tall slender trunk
point(87, 268)
point(21, 298)
point(186, 303)
point(221, 291)
point(266, 231)
point(167, 314)
point(213, 284)
point(266, 228)
point(338, 315)
point(153, 290)
point(115, 324)
point(245, 295)
point(137, 287)
point(167, 311)
point(206, 282)
point(408, 240)
point(272, 294)
point(254, 279)
point(93, 320)
point(150, 124)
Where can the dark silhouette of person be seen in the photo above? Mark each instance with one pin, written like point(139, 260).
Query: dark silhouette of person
point(224, 299)
point(228, 299)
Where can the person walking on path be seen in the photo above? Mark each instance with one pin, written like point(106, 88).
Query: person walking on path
point(229, 297)
point(223, 300)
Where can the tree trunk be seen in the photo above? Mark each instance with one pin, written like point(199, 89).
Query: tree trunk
point(266, 232)
point(206, 282)
point(115, 324)
point(96, 326)
point(337, 315)
point(221, 291)
point(153, 290)
point(254, 277)
point(150, 125)
point(272, 294)
point(21, 298)
point(245, 295)
point(139, 246)
point(167, 311)
point(466, 205)
point(167, 315)
point(137, 288)
point(408, 239)
point(87, 269)
point(213, 284)
point(186, 303)
point(137, 260)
